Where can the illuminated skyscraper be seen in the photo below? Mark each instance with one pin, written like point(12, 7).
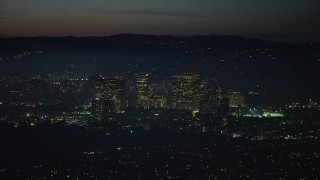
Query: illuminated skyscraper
point(223, 108)
point(212, 101)
point(236, 99)
point(187, 92)
point(103, 110)
point(143, 91)
point(158, 98)
point(112, 89)
point(156, 101)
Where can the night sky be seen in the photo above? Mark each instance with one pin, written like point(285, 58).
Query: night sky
point(175, 17)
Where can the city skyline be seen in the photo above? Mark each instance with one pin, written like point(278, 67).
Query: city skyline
point(159, 89)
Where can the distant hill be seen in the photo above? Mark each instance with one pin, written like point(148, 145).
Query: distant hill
point(290, 38)
point(119, 41)
point(282, 71)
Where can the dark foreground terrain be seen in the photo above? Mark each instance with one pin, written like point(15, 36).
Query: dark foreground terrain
point(60, 152)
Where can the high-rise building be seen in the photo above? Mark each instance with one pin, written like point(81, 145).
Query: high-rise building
point(158, 98)
point(143, 91)
point(223, 108)
point(187, 92)
point(103, 110)
point(166, 91)
point(211, 101)
point(236, 100)
point(156, 101)
point(112, 89)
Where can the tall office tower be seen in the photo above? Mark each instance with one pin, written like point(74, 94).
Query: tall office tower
point(143, 91)
point(103, 110)
point(112, 89)
point(217, 94)
point(204, 91)
point(236, 100)
point(211, 101)
point(223, 108)
point(156, 101)
point(166, 90)
point(158, 98)
point(187, 92)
